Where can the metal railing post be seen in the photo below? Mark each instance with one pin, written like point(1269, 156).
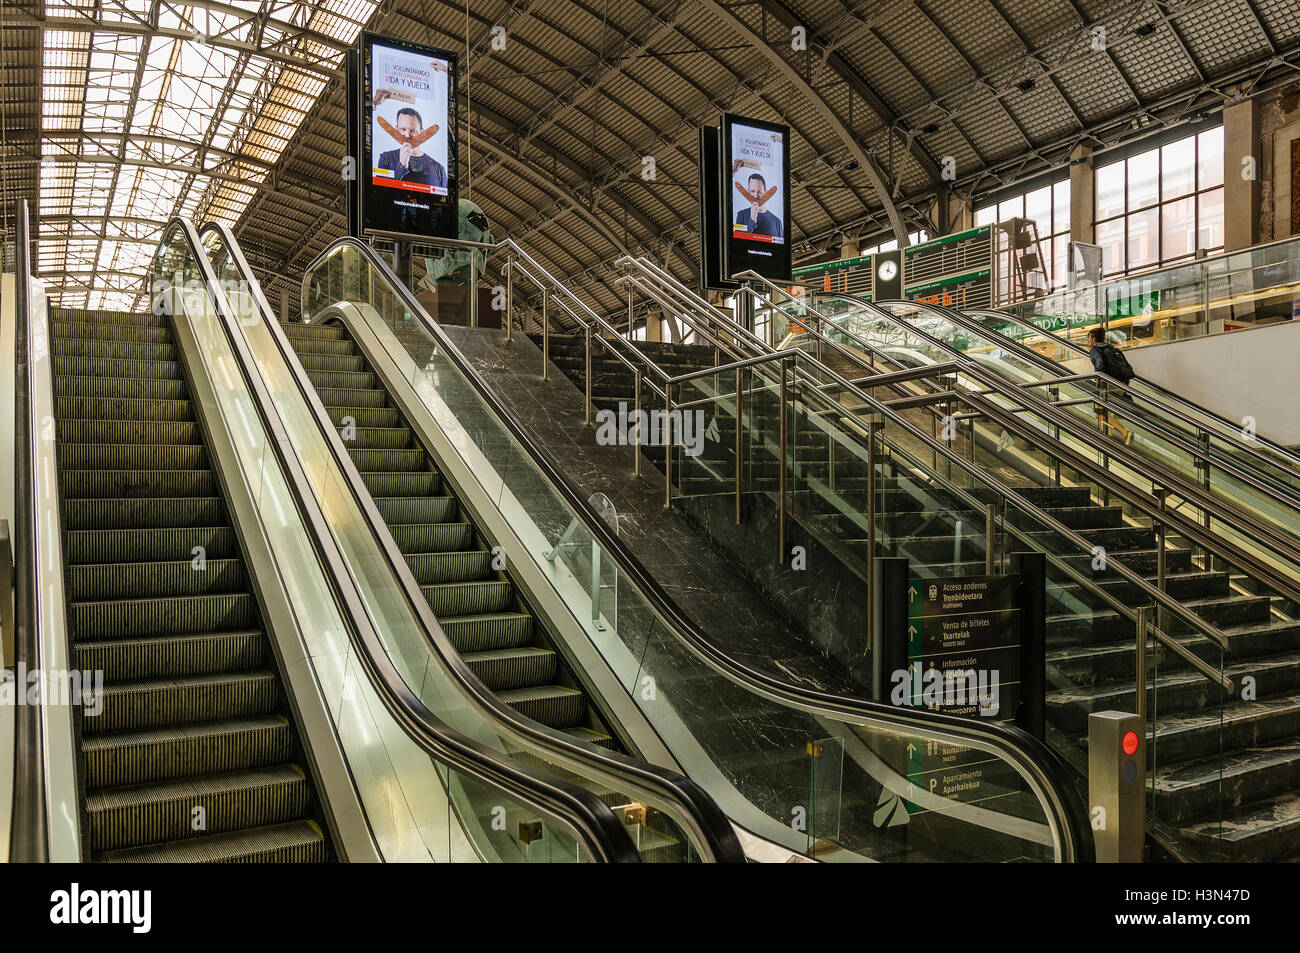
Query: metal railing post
point(510, 294)
point(1141, 683)
point(473, 288)
point(587, 408)
point(873, 432)
point(629, 311)
point(546, 332)
point(668, 444)
point(784, 440)
point(990, 538)
point(1161, 495)
point(636, 415)
point(740, 437)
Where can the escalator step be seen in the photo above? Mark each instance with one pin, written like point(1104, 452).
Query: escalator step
point(112, 456)
point(481, 633)
point(367, 461)
point(120, 388)
point(314, 345)
point(98, 581)
point(129, 431)
point(170, 702)
point(173, 656)
point(122, 408)
point(379, 438)
point(351, 396)
point(117, 484)
point(100, 316)
point(416, 509)
point(592, 736)
point(411, 483)
point(113, 367)
point(140, 334)
point(107, 513)
point(175, 615)
point(345, 380)
point(116, 350)
point(140, 814)
point(552, 705)
point(141, 545)
point(312, 361)
point(469, 598)
point(157, 754)
point(315, 332)
point(503, 669)
point(365, 416)
point(433, 537)
point(432, 568)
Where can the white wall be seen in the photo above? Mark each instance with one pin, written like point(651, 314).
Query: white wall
point(1254, 372)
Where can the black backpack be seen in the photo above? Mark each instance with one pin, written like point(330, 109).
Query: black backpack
point(1116, 364)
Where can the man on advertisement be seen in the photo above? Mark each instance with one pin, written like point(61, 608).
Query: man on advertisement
point(757, 157)
point(754, 218)
point(408, 162)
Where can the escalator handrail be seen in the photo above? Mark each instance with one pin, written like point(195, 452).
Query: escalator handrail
point(1226, 510)
point(29, 825)
point(693, 809)
point(1165, 394)
point(1041, 762)
point(600, 831)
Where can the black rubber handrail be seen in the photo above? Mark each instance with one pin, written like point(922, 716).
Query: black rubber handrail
point(595, 825)
point(1020, 747)
point(29, 827)
point(694, 809)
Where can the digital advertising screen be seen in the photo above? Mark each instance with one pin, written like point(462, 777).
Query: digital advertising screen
point(711, 212)
point(756, 168)
point(408, 128)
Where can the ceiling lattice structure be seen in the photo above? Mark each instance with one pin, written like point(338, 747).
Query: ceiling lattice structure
point(124, 112)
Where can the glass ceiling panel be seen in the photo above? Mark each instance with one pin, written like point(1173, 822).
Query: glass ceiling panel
point(137, 128)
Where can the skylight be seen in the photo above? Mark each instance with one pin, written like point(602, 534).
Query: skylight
point(152, 110)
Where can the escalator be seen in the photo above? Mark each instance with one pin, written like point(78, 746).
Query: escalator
point(477, 605)
point(258, 703)
point(387, 377)
point(194, 719)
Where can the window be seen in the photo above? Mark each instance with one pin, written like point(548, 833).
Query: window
point(1049, 207)
point(914, 237)
point(1158, 207)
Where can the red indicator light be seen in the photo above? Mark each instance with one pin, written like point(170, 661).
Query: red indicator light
point(1130, 742)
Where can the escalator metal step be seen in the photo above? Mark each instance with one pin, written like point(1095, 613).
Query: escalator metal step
point(310, 332)
point(368, 461)
point(113, 349)
point(123, 388)
point(95, 621)
point(351, 396)
point(122, 408)
point(552, 705)
point(99, 581)
point(469, 598)
point(115, 484)
point(114, 367)
point(183, 701)
point(173, 656)
point(365, 416)
point(113, 456)
point(481, 633)
point(346, 380)
point(141, 545)
point(503, 669)
point(410, 483)
point(130, 431)
point(100, 316)
point(416, 509)
point(433, 537)
point(154, 512)
point(176, 751)
point(432, 568)
point(315, 361)
point(81, 330)
point(379, 438)
point(167, 810)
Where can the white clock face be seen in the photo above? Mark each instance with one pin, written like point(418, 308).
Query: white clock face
point(887, 270)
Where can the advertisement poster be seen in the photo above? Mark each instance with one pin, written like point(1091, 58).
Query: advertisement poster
point(407, 119)
point(756, 177)
point(757, 166)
